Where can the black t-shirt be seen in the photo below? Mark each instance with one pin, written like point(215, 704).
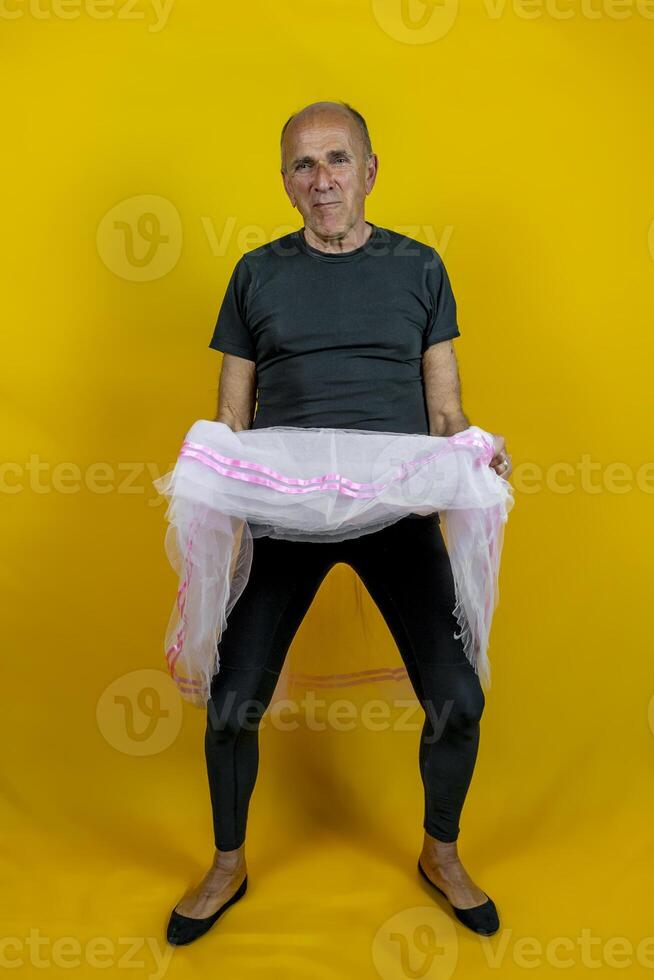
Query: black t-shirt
point(338, 338)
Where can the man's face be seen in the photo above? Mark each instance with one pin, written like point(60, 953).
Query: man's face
point(327, 177)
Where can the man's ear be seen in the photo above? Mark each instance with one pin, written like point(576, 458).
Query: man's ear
point(371, 176)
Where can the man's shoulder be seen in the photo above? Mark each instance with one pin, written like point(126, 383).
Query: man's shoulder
point(402, 244)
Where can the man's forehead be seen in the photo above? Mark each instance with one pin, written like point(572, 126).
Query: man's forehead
point(337, 129)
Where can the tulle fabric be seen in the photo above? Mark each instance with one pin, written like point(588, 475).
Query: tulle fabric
point(320, 484)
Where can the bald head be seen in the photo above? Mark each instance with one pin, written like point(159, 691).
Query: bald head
point(325, 113)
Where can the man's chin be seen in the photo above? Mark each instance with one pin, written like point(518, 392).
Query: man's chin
point(334, 228)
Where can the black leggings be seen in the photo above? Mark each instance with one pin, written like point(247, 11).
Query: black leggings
point(406, 569)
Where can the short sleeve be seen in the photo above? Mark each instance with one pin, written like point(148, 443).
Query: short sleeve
point(231, 333)
point(442, 323)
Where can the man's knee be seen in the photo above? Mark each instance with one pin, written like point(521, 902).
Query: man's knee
point(458, 703)
point(469, 701)
point(232, 710)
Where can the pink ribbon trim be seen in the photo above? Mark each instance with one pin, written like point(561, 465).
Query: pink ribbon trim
point(225, 465)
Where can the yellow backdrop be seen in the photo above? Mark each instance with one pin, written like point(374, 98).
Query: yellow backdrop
point(141, 159)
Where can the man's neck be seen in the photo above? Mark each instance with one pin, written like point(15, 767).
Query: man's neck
point(348, 243)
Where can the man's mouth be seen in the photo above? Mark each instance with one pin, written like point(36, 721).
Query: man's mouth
point(327, 204)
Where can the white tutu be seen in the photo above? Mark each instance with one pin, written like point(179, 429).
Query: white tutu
point(321, 484)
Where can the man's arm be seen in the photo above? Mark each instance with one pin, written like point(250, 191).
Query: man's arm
point(443, 390)
point(237, 392)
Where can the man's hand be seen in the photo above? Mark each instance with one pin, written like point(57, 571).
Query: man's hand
point(443, 395)
point(501, 461)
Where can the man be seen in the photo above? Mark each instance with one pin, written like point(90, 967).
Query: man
point(343, 324)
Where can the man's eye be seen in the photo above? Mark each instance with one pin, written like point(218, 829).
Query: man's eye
point(338, 159)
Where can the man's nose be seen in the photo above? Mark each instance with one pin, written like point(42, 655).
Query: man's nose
point(323, 175)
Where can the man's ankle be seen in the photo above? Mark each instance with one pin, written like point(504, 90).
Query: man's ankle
point(229, 860)
point(442, 852)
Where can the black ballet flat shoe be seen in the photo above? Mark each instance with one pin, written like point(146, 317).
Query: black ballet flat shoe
point(482, 919)
point(183, 929)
